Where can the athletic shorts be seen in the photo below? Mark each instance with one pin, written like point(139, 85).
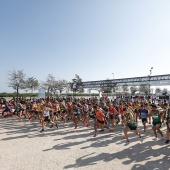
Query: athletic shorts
point(76, 114)
point(84, 113)
point(155, 123)
point(63, 111)
point(132, 128)
point(92, 116)
point(28, 109)
point(101, 122)
point(6, 110)
point(136, 111)
point(111, 116)
point(122, 116)
point(18, 110)
point(47, 119)
point(167, 126)
point(36, 112)
point(55, 113)
point(144, 119)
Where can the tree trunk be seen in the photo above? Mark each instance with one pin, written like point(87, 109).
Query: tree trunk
point(17, 92)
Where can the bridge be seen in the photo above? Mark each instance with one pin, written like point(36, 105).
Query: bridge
point(157, 80)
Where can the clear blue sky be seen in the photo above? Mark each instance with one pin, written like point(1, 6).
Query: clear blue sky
point(91, 38)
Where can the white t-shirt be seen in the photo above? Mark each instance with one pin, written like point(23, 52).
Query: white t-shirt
point(46, 113)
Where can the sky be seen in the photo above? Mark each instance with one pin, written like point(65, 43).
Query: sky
point(91, 38)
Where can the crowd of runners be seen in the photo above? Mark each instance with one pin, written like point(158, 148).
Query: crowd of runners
point(103, 113)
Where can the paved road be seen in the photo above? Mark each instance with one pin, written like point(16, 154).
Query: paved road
point(22, 147)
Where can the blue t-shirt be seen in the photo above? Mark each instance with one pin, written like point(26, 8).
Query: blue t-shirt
point(143, 113)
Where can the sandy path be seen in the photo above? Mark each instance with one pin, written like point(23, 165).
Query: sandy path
point(22, 147)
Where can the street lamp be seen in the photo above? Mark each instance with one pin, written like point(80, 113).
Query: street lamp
point(113, 75)
point(113, 87)
point(74, 86)
point(149, 79)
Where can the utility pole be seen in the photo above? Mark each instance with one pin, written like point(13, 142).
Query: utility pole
point(149, 79)
point(113, 87)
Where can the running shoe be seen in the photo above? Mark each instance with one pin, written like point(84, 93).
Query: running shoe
point(167, 141)
point(102, 130)
point(141, 139)
point(42, 130)
point(127, 143)
point(56, 126)
point(111, 130)
point(156, 139)
point(94, 135)
point(75, 127)
point(51, 126)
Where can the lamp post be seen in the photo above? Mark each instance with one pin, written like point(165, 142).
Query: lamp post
point(74, 86)
point(113, 75)
point(113, 87)
point(149, 79)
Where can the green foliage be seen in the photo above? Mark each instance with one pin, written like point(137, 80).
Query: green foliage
point(19, 95)
point(125, 88)
point(133, 89)
point(144, 89)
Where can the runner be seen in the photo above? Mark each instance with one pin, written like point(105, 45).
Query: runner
point(120, 110)
point(63, 111)
point(156, 117)
point(163, 112)
point(7, 107)
point(46, 115)
point(112, 114)
point(91, 115)
point(19, 110)
point(149, 108)
point(76, 114)
point(100, 120)
point(28, 109)
point(167, 109)
point(84, 112)
point(130, 125)
point(136, 110)
point(56, 110)
point(143, 115)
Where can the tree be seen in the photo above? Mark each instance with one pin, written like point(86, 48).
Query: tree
point(107, 89)
point(125, 88)
point(157, 90)
point(78, 79)
point(60, 85)
point(49, 83)
point(16, 80)
point(133, 89)
point(75, 86)
point(144, 89)
point(165, 90)
point(31, 83)
point(117, 88)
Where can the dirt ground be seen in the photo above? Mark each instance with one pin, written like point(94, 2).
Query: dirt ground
point(23, 147)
